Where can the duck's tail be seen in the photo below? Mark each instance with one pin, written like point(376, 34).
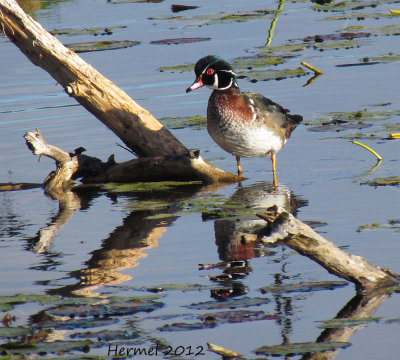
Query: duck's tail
point(292, 122)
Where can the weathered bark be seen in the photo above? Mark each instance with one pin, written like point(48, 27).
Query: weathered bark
point(286, 229)
point(93, 170)
point(135, 126)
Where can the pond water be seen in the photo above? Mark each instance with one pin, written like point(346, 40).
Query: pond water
point(124, 243)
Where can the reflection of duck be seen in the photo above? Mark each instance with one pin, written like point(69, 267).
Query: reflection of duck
point(245, 124)
point(229, 234)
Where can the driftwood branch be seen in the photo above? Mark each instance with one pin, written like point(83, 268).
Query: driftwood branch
point(286, 229)
point(135, 126)
point(93, 170)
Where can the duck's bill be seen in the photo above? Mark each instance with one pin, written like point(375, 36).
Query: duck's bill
point(197, 84)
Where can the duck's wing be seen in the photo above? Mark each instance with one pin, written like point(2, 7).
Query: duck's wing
point(273, 112)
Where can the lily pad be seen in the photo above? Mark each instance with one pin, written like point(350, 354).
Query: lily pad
point(346, 322)
point(107, 335)
point(303, 287)
point(272, 74)
point(336, 36)
point(339, 126)
point(219, 18)
point(13, 332)
point(179, 287)
point(211, 320)
point(140, 187)
point(196, 122)
point(386, 58)
point(388, 181)
point(230, 303)
point(73, 324)
point(115, 308)
point(87, 31)
point(178, 41)
point(236, 316)
point(300, 348)
point(364, 115)
point(359, 16)
point(9, 301)
point(391, 224)
point(345, 5)
point(100, 45)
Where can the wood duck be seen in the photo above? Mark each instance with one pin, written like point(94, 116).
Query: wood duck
point(245, 124)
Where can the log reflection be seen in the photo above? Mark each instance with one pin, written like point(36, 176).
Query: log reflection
point(124, 247)
point(359, 307)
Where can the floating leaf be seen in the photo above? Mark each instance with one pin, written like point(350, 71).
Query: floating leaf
point(385, 58)
point(388, 181)
point(230, 303)
point(236, 316)
point(210, 320)
point(86, 31)
point(7, 302)
point(300, 348)
point(337, 126)
point(367, 226)
point(180, 287)
point(184, 326)
point(196, 122)
point(271, 74)
point(346, 322)
point(343, 117)
point(115, 308)
point(345, 5)
point(303, 286)
point(13, 332)
point(74, 324)
point(101, 45)
point(219, 18)
point(178, 41)
point(358, 16)
point(58, 347)
point(108, 335)
point(148, 186)
point(391, 224)
point(336, 36)
point(393, 321)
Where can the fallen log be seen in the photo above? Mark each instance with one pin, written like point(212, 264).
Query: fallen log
point(70, 166)
point(284, 228)
point(135, 126)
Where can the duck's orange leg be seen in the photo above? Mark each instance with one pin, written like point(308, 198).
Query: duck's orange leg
point(273, 159)
point(239, 167)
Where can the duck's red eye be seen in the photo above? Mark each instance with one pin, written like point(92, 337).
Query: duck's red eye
point(210, 71)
